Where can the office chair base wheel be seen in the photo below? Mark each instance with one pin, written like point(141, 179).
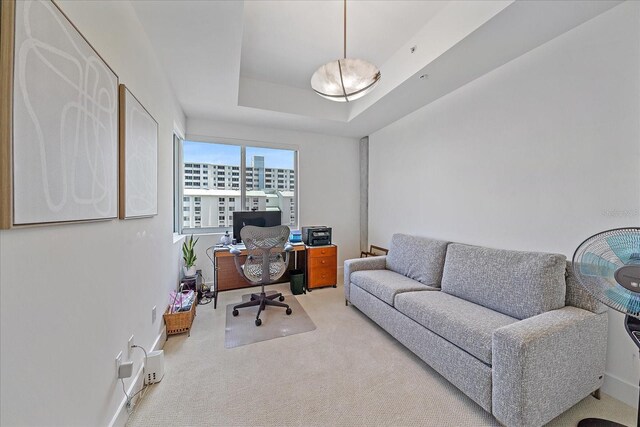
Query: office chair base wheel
point(289, 311)
point(281, 298)
point(258, 322)
point(235, 313)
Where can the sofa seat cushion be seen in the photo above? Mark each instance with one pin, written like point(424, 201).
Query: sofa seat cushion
point(462, 323)
point(418, 258)
point(518, 284)
point(386, 284)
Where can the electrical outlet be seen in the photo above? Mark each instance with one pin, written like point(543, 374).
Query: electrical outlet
point(130, 346)
point(153, 315)
point(118, 363)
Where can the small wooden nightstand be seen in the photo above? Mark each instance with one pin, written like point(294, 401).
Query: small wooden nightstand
point(322, 266)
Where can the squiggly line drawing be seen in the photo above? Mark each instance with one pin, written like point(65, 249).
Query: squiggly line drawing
point(87, 119)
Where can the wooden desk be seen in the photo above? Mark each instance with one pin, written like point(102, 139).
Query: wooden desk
point(226, 276)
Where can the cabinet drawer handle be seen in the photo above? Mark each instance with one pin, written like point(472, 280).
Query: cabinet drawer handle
point(324, 262)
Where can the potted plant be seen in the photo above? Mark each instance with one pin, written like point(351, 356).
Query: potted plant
point(189, 256)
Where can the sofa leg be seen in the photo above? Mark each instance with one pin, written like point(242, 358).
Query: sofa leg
point(596, 394)
point(346, 302)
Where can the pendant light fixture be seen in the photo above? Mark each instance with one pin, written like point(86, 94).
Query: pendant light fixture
point(346, 79)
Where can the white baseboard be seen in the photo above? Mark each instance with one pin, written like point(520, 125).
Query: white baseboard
point(621, 390)
point(160, 340)
point(122, 415)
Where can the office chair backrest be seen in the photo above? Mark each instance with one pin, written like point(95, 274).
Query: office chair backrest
point(265, 263)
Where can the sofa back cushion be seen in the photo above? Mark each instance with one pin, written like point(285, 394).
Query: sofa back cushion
point(578, 296)
point(418, 258)
point(518, 284)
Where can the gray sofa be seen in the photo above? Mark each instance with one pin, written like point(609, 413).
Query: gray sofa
point(512, 330)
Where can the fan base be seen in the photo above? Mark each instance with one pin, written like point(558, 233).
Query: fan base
point(598, 422)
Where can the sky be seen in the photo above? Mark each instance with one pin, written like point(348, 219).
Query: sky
point(223, 154)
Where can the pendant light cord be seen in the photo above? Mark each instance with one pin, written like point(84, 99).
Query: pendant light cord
point(345, 29)
point(344, 90)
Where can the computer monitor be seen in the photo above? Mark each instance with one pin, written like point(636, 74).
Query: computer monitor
point(257, 218)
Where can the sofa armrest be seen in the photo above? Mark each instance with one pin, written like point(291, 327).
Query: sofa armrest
point(358, 264)
point(545, 364)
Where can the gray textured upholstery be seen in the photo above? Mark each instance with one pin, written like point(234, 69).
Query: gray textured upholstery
point(525, 372)
point(359, 264)
point(461, 369)
point(518, 284)
point(546, 364)
point(577, 295)
point(463, 323)
point(386, 284)
point(418, 258)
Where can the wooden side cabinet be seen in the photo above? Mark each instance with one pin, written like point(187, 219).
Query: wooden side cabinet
point(322, 266)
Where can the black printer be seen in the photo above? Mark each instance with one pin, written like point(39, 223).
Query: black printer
point(316, 235)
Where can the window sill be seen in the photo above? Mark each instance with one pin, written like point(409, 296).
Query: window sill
point(177, 238)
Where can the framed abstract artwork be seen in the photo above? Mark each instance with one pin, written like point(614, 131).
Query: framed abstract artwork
point(138, 158)
point(59, 120)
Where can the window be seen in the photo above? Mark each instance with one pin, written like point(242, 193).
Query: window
point(223, 174)
point(178, 185)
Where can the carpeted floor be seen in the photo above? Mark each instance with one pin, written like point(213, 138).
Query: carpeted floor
point(346, 372)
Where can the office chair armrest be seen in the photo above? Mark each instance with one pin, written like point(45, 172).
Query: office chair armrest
point(288, 247)
point(235, 251)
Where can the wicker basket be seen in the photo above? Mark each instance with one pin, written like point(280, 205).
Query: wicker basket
point(180, 321)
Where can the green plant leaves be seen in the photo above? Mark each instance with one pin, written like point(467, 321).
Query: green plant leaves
point(188, 251)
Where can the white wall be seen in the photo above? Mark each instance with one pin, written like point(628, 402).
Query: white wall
point(71, 295)
point(328, 181)
point(536, 155)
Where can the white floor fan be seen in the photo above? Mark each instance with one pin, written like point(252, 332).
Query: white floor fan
point(607, 265)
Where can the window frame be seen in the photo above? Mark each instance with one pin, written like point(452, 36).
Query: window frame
point(243, 144)
point(178, 183)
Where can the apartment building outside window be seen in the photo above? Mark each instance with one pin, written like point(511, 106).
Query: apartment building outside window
point(213, 175)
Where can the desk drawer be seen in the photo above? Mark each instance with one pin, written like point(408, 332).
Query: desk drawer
point(327, 261)
point(322, 251)
point(322, 276)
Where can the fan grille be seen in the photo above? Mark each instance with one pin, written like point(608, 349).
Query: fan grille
point(597, 260)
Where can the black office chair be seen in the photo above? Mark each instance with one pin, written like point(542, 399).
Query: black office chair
point(264, 265)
